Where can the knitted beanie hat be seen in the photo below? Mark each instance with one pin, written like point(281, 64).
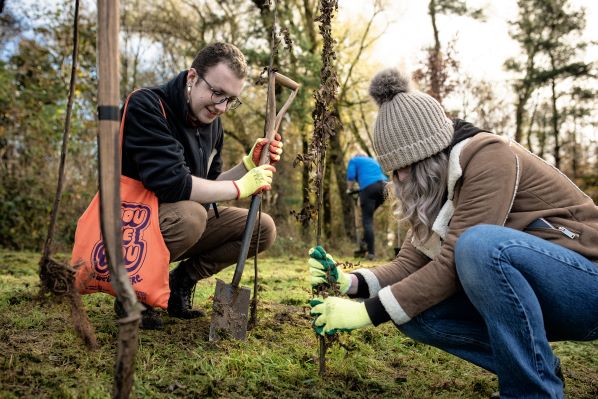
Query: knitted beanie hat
point(410, 125)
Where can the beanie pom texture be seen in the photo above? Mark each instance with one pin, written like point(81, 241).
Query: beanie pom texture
point(387, 84)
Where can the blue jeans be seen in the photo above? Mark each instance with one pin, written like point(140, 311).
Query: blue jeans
point(520, 292)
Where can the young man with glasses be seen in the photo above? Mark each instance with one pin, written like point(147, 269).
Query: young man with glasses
point(172, 143)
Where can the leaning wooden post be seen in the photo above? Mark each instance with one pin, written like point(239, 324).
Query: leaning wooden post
point(109, 183)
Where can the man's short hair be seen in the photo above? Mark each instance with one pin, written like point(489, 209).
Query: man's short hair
point(218, 52)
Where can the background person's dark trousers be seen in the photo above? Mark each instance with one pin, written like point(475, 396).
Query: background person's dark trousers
point(370, 198)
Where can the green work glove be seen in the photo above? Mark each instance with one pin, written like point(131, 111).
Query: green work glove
point(255, 181)
point(338, 314)
point(253, 158)
point(319, 263)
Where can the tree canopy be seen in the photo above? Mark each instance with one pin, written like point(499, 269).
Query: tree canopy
point(553, 98)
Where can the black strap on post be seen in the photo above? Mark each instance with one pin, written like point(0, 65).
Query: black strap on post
point(108, 113)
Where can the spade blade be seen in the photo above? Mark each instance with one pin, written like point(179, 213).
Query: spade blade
point(230, 312)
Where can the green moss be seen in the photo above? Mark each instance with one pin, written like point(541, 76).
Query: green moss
point(40, 356)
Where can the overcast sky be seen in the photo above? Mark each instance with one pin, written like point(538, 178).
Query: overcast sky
point(482, 46)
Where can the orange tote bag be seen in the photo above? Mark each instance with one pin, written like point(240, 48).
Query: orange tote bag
point(145, 254)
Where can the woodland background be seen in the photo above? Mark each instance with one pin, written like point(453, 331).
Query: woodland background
point(550, 106)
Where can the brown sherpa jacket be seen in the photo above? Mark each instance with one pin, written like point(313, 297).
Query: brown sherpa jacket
point(500, 183)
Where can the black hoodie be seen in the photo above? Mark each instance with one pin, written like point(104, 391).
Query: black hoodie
point(163, 153)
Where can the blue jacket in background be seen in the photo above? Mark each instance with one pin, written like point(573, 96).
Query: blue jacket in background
point(365, 171)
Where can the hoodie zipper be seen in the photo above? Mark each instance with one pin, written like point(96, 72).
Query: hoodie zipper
point(200, 149)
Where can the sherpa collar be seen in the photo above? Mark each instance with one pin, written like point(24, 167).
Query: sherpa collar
point(431, 248)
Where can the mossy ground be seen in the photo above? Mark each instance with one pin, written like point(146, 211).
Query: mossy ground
point(40, 356)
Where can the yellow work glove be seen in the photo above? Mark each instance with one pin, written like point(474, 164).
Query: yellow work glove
point(255, 181)
point(320, 263)
point(253, 158)
point(338, 314)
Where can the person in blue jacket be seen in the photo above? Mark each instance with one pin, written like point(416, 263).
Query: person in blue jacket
point(367, 173)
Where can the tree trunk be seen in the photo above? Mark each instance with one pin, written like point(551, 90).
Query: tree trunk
point(305, 226)
point(522, 99)
point(337, 161)
point(574, 152)
point(435, 56)
point(308, 10)
point(555, 127)
point(542, 137)
point(530, 128)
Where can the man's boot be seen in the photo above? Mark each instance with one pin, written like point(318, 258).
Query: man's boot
point(181, 288)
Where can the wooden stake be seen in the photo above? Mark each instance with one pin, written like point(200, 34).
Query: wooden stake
point(109, 182)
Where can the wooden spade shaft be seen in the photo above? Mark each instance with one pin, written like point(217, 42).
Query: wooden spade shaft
point(271, 127)
point(231, 302)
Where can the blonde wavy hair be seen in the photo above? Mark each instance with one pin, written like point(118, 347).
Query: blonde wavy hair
point(422, 195)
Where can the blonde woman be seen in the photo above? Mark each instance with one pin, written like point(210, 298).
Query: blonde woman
point(500, 258)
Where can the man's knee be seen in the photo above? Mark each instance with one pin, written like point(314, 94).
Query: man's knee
point(182, 222)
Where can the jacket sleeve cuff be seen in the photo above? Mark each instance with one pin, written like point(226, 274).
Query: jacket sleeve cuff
point(376, 311)
point(368, 281)
point(362, 287)
point(392, 306)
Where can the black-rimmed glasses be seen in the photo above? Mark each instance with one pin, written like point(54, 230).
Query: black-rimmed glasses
point(218, 97)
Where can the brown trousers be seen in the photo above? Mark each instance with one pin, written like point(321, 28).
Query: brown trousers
point(205, 243)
